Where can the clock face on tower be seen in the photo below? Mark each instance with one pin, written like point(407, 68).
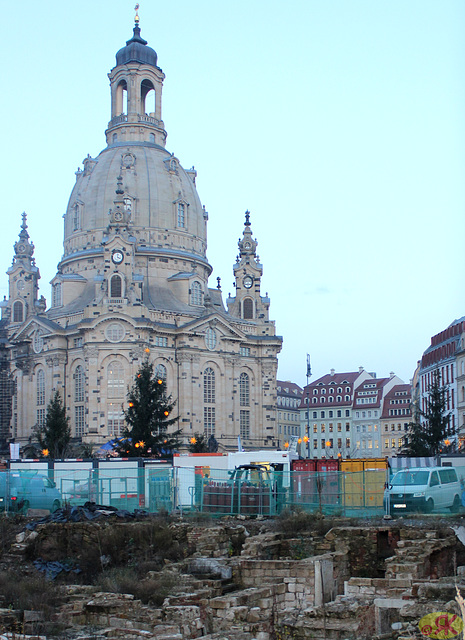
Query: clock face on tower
point(247, 282)
point(117, 256)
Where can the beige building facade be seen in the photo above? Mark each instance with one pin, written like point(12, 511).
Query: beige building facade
point(132, 281)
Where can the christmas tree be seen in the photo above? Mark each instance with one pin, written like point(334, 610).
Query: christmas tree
point(147, 415)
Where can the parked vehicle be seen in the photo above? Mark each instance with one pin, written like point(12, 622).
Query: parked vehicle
point(424, 489)
point(21, 490)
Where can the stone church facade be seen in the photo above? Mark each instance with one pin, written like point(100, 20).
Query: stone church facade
point(132, 281)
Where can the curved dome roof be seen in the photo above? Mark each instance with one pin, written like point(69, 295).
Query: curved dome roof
point(153, 182)
point(136, 50)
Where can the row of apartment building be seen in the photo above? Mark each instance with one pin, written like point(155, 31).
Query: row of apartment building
point(351, 414)
point(357, 414)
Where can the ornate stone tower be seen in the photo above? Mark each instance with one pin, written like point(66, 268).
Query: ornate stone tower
point(248, 303)
point(23, 281)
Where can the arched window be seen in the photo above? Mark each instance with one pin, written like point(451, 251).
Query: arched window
point(152, 137)
point(79, 384)
point(115, 380)
point(247, 307)
point(196, 293)
point(18, 311)
point(160, 372)
point(147, 97)
point(121, 106)
point(116, 286)
point(244, 390)
point(40, 382)
point(209, 386)
point(56, 295)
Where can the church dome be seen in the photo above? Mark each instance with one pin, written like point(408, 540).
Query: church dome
point(135, 186)
point(136, 50)
point(159, 196)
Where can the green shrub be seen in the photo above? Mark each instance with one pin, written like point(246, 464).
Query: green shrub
point(151, 590)
point(29, 592)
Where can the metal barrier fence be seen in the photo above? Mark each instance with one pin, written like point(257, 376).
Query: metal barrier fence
point(219, 492)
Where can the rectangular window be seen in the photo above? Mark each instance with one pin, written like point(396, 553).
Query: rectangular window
point(347, 443)
point(40, 418)
point(339, 426)
point(315, 444)
point(347, 413)
point(79, 420)
point(244, 395)
point(181, 214)
point(209, 421)
point(245, 351)
point(323, 442)
point(245, 424)
point(115, 419)
point(339, 443)
point(77, 342)
point(161, 341)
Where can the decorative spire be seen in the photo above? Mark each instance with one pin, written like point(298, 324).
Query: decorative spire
point(247, 245)
point(23, 247)
point(137, 37)
point(23, 234)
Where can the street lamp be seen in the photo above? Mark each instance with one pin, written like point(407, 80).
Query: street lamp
point(309, 373)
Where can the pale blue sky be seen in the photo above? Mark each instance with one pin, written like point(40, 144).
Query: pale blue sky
point(338, 123)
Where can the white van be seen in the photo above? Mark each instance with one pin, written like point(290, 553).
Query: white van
point(424, 489)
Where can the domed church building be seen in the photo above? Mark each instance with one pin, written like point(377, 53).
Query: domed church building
point(133, 279)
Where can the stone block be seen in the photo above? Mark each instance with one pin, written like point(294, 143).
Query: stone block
point(219, 603)
point(265, 603)
point(254, 615)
